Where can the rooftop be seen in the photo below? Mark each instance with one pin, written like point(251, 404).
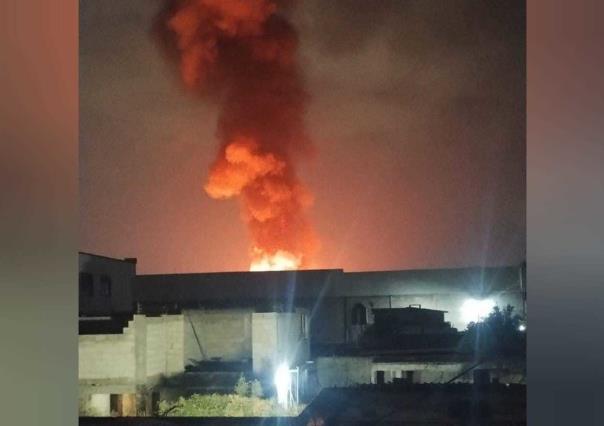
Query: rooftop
point(313, 284)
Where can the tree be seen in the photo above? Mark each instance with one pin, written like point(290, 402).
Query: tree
point(242, 388)
point(256, 389)
point(498, 335)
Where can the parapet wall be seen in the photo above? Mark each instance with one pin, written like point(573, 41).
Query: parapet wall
point(224, 334)
point(107, 356)
point(164, 345)
point(343, 371)
point(148, 348)
point(347, 371)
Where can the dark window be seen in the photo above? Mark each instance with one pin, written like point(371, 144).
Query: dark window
point(409, 376)
point(86, 285)
point(115, 404)
point(105, 285)
point(359, 314)
point(379, 377)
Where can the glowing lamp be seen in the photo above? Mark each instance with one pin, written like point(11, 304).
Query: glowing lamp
point(474, 310)
point(522, 327)
point(283, 384)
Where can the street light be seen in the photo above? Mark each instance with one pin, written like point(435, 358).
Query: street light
point(475, 309)
point(283, 384)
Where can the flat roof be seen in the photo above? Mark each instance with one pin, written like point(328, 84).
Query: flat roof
point(106, 257)
point(284, 285)
point(408, 308)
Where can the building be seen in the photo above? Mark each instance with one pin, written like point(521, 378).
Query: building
point(105, 285)
point(340, 304)
point(162, 356)
point(143, 337)
point(120, 372)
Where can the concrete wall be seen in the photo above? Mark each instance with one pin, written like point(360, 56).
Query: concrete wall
point(107, 357)
point(292, 335)
point(165, 345)
point(226, 334)
point(148, 348)
point(349, 371)
point(264, 343)
point(343, 371)
point(277, 338)
point(99, 404)
point(120, 272)
point(422, 372)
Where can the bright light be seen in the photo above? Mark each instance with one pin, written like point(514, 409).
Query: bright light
point(474, 310)
point(283, 384)
point(280, 261)
point(522, 327)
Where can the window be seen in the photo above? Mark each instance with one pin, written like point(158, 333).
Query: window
point(123, 405)
point(359, 314)
point(105, 286)
point(86, 285)
point(410, 376)
point(115, 404)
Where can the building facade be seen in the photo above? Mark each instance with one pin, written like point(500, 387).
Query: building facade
point(340, 305)
point(105, 285)
point(142, 334)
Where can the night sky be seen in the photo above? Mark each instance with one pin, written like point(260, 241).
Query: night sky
point(417, 112)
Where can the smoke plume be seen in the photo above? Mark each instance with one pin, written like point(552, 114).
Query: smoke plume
point(242, 55)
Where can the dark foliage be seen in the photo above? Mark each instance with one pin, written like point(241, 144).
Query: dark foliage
point(498, 335)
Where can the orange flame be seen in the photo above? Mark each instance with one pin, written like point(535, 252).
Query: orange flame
point(242, 53)
point(280, 261)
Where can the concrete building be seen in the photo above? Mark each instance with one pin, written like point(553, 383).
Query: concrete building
point(128, 372)
point(231, 335)
point(340, 304)
point(116, 368)
point(415, 368)
point(413, 345)
point(105, 285)
point(142, 336)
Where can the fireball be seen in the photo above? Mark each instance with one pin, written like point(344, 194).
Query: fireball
point(279, 261)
